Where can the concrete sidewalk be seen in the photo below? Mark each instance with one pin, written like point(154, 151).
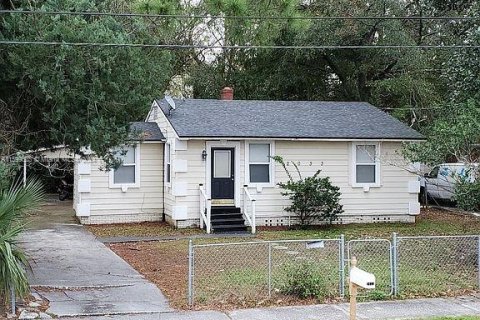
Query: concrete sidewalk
point(385, 310)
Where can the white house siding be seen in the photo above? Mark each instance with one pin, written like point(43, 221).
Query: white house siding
point(390, 202)
point(156, 115)
point(111, 205)
point(187, 197)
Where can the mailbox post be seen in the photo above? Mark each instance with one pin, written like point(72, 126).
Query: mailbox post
point(358, 278)
point(353, 291)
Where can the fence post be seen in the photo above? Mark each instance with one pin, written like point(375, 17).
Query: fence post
point(352, 290)
point(269, 270)
point(341, 265)
point(478, 261)
point(394, 264)
point(425, 194)
point(12, 298)
point(190, 272)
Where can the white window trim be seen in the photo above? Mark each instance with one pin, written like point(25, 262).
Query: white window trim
point(168, 145)
point(353, 165)
point(247, 165)
point(113, 185)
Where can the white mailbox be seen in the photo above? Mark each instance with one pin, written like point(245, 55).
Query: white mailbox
point(362, 278)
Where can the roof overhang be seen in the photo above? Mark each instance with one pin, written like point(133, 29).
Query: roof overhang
point(303, 139)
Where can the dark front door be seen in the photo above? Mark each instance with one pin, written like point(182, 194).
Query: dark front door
point(223, 173)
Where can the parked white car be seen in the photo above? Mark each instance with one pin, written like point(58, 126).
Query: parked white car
point(440, 182)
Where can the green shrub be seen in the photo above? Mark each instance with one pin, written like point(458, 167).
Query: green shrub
point(377, 295)
point(467, 195)
point(304, 280)
point(313, 198)
point(15, 203)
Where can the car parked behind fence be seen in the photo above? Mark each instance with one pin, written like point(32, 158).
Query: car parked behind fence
point(440, 182)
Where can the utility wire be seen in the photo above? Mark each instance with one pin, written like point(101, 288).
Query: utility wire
point(233, 47)
point(206, 16)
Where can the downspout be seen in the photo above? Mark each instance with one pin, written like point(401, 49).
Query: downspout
point(163, 185)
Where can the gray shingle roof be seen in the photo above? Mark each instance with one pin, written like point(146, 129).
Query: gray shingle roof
point(146, 131)
point(284, 119)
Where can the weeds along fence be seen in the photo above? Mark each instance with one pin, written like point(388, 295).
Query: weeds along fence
point(246, 272)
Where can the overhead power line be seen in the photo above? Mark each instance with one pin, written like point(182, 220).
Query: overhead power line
point(206, 16)
point(234, 47)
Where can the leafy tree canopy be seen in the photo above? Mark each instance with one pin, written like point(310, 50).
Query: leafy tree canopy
point(404, 81)
point(455, 134)
point(78, 96)
point(85, 96)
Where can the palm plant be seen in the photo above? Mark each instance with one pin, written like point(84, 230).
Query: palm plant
point(16, 201)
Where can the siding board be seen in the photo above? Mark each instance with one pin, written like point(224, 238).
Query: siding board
point(147, 199)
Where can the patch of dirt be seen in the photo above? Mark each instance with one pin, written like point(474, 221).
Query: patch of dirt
point(32, 304)
point(147, 229)
point(437, 214)
point(163, 263)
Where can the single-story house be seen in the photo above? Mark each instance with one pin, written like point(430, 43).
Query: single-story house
point(209, 162)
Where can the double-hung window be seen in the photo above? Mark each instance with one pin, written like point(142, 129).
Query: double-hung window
point(127, 174)
point(260, 166)
point(168, 165)
point(366, 168)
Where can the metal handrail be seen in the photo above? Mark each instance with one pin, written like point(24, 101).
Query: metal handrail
point(251, 218)
point(205, 209)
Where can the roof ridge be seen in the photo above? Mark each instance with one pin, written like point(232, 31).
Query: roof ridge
point(273, 101)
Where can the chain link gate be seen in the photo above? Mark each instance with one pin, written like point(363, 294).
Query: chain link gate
point(375, 256)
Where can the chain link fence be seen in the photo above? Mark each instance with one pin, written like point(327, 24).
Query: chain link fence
point(253, 271)
point(430, 266)
point(245, 272)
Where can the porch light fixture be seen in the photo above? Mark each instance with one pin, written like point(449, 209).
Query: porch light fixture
point(204, 154)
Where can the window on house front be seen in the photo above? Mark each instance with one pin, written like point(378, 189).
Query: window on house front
point(366, 164)
point(126, 172)
point(259, 162)
point(167, 163)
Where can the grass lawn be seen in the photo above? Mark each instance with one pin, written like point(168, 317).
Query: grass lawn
point(453, 318)
point(223, 281)
point(430, 222)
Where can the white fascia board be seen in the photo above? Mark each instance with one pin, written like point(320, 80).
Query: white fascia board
point(60, 146)
point(154, 105)
point(162, 115)
point(297, 139)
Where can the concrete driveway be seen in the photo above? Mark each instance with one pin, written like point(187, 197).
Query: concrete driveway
point(81, 276)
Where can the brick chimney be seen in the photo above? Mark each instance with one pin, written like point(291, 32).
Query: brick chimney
point(226, 94)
